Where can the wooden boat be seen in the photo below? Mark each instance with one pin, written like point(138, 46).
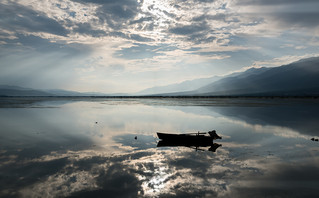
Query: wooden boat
point(191, 140)
point(192, 137)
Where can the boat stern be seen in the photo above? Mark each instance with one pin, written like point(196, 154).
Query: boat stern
point(214, 135)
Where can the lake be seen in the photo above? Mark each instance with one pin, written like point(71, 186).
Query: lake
point(107, 147)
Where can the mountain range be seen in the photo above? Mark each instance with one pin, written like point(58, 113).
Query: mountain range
point(299, 78)
point(184, 86)
point(7, 90)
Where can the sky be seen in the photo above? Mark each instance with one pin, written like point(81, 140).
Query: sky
point(124, 46)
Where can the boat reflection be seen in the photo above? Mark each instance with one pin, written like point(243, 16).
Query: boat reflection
point(192, 140)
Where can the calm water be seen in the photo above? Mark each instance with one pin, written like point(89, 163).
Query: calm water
point(87, 148)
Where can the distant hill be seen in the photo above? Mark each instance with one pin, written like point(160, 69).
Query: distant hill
point(184, 86)
point(299, 78)
point(7, 90)
point(61, 92)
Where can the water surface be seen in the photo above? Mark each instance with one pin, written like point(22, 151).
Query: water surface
point(86, 147)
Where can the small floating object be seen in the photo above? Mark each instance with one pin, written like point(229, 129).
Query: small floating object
point(95, 122)
point(313, 139)
point(135, 137)
point(316, 140)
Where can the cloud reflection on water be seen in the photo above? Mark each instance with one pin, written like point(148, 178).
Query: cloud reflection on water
point(170, 173)
point(76, 157)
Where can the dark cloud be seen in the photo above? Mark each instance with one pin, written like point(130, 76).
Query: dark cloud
point(308, 20)
point(142, 19)
point(119, 11)
point(87, 29)
point(134, 37)
point(140, 38)
point(273, 2)
point(201, 38)
point(196, 33)
point(42, 45)
point(273, 192)
point(117, 14)
point(16, 17)
point(204, 1)
point(218, 17)
point(200, 18)
point(188, 29)
point(181, 191)
point(99, 2)
point(172, 15)
point(196, 1)
point(285, 12)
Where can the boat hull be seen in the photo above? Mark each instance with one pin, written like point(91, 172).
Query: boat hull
point(184, 138)
point(195, 140)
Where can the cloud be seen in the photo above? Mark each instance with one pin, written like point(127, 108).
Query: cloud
point(116, 181)
point(13, 183)
point(32, 61)
point(136, 168)
point(137, 37)
point(87, 29)
point(307, 19)
point(18, 18)
point(132, 33)
point(169, 173)
point(272, 2)
point(117, 14)
point(284, 60)
point(283, 14)
point(143, 51)
point(39, 44)
point(188, 29)
point(195, 33)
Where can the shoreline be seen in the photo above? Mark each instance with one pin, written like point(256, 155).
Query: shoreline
point(27, 101)
point(182, 97)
